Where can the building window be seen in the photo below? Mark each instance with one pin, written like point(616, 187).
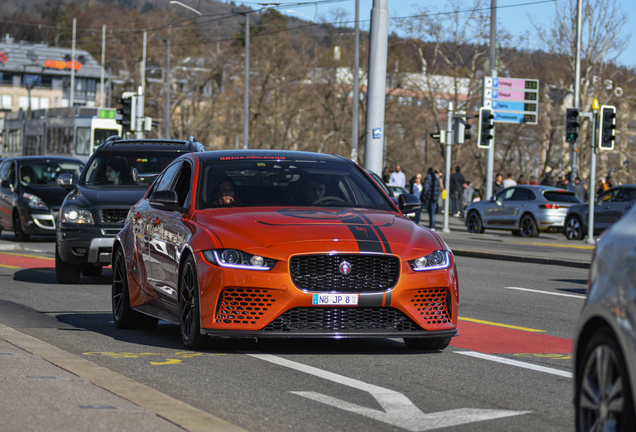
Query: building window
point(6, 78)
point(7, 102)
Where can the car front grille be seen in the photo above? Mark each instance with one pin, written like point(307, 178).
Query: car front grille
point(116, 215)
point(434, 305)
point(343, 318)
point(322, 272)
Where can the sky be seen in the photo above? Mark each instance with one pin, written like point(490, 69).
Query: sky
point(513, 15)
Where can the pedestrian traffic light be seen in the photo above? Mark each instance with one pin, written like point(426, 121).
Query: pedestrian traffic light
point(440, 136)
point(607, 127)
point(127, 111)
point(486, 132)
point(572, 125)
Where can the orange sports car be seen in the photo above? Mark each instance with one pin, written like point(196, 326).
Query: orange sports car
point(281, 244)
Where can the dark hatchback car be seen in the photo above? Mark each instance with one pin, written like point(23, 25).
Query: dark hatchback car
point(117, 175)
point(609, 207)
point(29, 195)
point(605, 341)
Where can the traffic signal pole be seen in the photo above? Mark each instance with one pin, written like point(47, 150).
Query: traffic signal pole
point(590, 223)
point(449, 142)
point(493, 73)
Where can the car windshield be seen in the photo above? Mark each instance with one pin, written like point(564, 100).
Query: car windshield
point(287, 183)
point(127, 169)
point(44, 173)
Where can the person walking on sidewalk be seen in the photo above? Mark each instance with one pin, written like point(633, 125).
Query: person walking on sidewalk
point(467, 196)
point(416, 189)
point(398, 178)
point(457, 181)
point(430, 194)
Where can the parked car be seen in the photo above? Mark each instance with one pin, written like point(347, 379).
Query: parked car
point(29, 195)
point(525, 210)
point(605, 342)
point(281, 244)
point(609, 207)
point(117, 175)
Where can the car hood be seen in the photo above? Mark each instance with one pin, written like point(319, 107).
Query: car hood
point(306, 230)
point(106, 196)
point(51, 195)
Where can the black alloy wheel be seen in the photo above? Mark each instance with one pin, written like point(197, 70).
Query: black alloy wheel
point(528, 227)
point(189, 305)
point(427, 343)
point(18, 231)
point(65, 273)
point(603, 399)
point(123, 314)
point(474, 223)
point(573, 228)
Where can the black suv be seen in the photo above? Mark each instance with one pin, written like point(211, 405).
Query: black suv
point(116, 176)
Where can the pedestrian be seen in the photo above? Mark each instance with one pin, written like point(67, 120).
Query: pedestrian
point(509, 182)
point(547, 180)
point(533, 180)
point(417, 190)
point(457, 181)
point(483, 189)
point(497, 185)
point(522, 180)
point(561, 182)
point(467, 197)
point(442, 195)
point(580, 190)
point(430, 194)
point(602, 186)
point(386, 174)
point(397, 177)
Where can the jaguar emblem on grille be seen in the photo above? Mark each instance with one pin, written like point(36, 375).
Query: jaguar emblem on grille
point(345, 268)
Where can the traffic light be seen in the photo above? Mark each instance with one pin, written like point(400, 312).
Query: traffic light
point(572, 125)
point(486, 131)
point(607, 127)
point(127, 111)
point(439, 136)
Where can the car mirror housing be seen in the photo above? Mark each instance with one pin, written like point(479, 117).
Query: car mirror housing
point(65, 181)
point(409, 203)
point(165, 200)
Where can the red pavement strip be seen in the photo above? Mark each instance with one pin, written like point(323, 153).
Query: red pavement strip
point(489, 339)
point(25, 261)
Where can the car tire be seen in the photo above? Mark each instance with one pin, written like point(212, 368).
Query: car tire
point(598, 402)
point(190, 317)
point(474, 223)
point(528, 227)
point(18, 231)
point(91, 270)
point(426, 343)
point(65, 273)
point(123, 314)
point(573, 229)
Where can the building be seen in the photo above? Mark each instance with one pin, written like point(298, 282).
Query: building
point(36, 76)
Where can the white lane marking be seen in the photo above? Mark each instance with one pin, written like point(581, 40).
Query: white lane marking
point(517, 363)
point(398, 410)
point(547, 292)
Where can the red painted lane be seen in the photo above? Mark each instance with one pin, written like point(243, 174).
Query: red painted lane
point(26, 261)
point(499, 340)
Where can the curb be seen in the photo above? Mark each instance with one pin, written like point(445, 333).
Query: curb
point(520, 258)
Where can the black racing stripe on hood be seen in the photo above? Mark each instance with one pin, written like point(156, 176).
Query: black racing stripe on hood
point(379, 233)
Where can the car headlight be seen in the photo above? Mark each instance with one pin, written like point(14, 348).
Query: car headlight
point(34, 202)
point(438, 260)
point(232, 258)
point(76, 215)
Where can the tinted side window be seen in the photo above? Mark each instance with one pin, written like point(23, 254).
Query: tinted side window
point(167, 179)
point(523, 194)
point(506, 195)
point(626, 195)
point(5, 170)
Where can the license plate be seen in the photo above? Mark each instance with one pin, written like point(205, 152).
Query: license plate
point(335, 299)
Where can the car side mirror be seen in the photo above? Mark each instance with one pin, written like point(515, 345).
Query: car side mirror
point(493, 198)
point(409, 203)
point(65, 181)
point(167, 200)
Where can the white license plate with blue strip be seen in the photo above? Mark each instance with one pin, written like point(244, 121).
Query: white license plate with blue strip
point(335, 299)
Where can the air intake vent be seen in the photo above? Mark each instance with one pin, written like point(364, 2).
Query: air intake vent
point(368, 273)
point(339, 319)
point(243, 305)
point(433, 305)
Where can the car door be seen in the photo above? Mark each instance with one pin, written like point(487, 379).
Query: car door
point(168, 235)
point(623, 201)
point(603, 208)
point(515, 206)
point(495, 211)
point(7, 176)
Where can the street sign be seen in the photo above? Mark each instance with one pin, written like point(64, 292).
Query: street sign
point(513, 100)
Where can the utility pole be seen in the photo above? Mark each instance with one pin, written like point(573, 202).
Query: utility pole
point(102, 94)
point(493, 73)
point(356, 86)
point(577, 89)
point(378, 41)
point(73, 65)
point(246, 79)
point(167, 114)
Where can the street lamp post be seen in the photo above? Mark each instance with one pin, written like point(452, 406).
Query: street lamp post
point(246, 84)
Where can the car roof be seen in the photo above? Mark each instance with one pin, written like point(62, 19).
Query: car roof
point(288, 155)
point(42, 158)
point(117, 143)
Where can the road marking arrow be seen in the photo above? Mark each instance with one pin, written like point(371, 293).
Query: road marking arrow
point(397, 409)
